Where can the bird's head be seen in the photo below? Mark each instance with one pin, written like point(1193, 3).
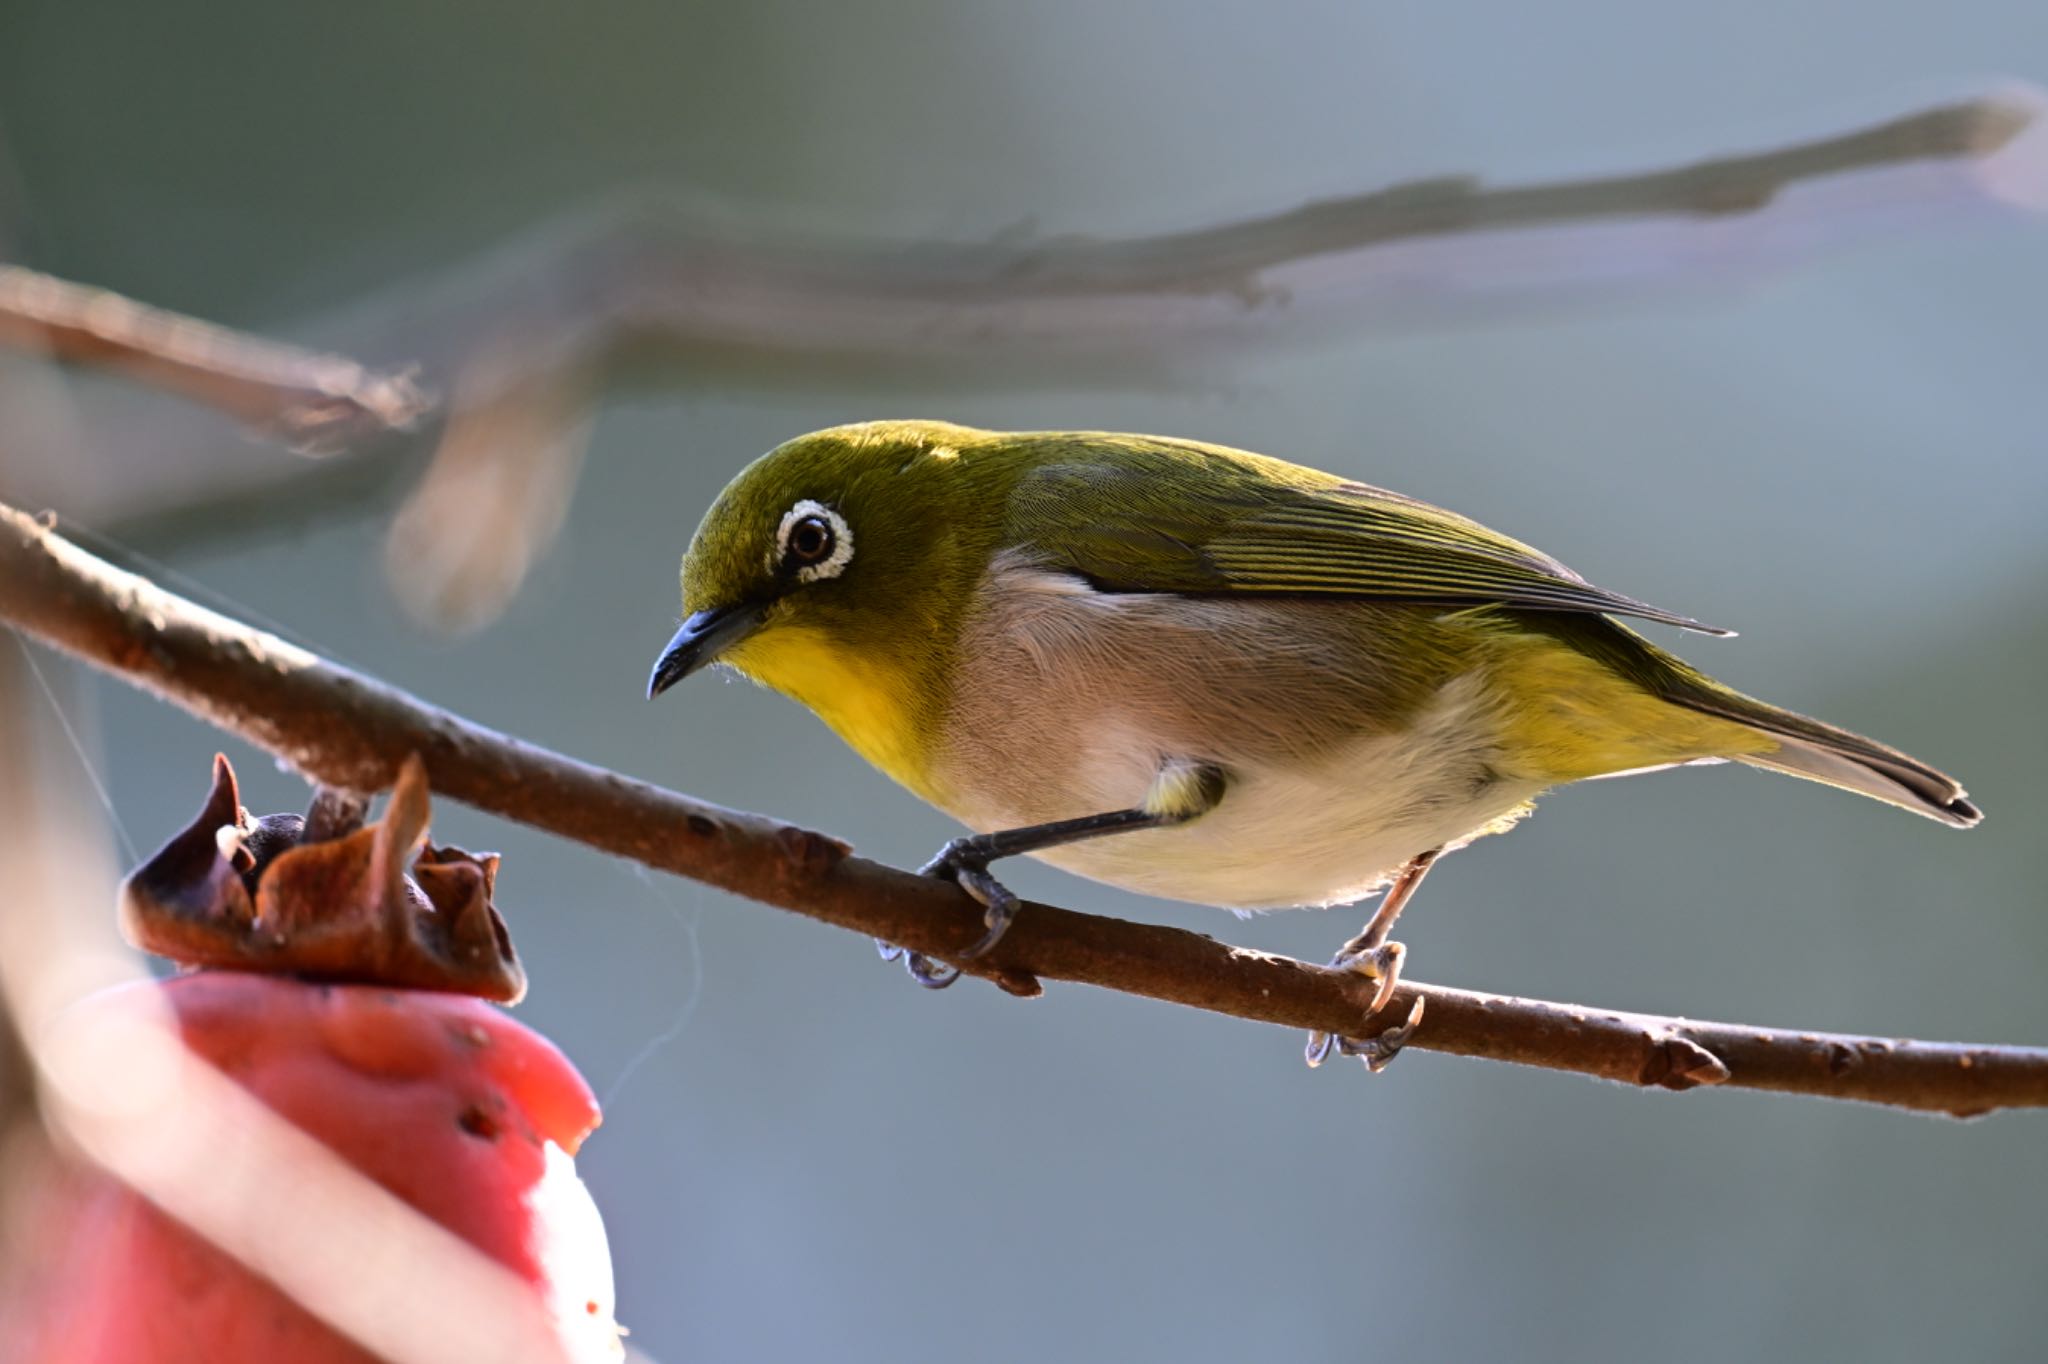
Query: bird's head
point(836, 569)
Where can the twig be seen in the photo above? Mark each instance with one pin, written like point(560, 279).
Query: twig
point(316, 402)
point(348, 730)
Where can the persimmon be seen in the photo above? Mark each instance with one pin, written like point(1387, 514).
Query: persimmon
point(463, 1114)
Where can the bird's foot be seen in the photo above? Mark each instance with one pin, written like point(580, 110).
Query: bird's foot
point(1380, 963)
point(1376, 1052)
point(965, 863)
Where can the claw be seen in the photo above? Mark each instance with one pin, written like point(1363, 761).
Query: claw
point(999, 906)
point(921, 968)
point(1381, 964)
point(1376, 1052)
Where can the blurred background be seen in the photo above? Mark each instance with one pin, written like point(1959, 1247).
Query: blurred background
point(1838, 452)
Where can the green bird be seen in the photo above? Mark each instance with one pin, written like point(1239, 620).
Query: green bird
point(1201, 673)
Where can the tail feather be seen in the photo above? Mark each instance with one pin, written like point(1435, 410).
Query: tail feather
point(1820, 752)
point(1799, 745)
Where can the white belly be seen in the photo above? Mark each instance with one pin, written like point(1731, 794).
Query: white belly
point(1324, 832)
point(1070, 701)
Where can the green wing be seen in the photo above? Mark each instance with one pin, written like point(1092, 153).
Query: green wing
point(1139, 514)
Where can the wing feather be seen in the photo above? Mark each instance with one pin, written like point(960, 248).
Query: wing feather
point(1120, 517)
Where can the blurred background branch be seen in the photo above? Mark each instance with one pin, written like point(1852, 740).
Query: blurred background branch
point(650, 291)
point(316, 403)
point(346, 730)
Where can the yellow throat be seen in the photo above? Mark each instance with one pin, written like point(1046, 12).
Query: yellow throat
point(869, 703)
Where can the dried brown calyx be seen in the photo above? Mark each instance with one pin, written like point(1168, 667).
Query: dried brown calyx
point(325, 895)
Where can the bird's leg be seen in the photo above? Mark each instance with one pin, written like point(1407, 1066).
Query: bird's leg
point(965, 860)
point(1372, 956)
point(1180, 792)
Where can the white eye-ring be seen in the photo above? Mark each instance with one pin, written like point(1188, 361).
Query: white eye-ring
point(814, 540)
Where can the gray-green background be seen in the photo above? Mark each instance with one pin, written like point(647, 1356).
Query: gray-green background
point(811, 1158)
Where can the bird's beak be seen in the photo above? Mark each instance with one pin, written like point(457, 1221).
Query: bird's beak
point(704, 636)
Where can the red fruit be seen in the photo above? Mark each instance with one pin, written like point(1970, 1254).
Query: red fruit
point(462, 1113)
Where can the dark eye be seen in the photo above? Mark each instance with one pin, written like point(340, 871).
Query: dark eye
point(813, 542)
point(810, 540)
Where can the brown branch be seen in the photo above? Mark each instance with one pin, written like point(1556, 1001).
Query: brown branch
point(348, 730)
point(316, 402)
